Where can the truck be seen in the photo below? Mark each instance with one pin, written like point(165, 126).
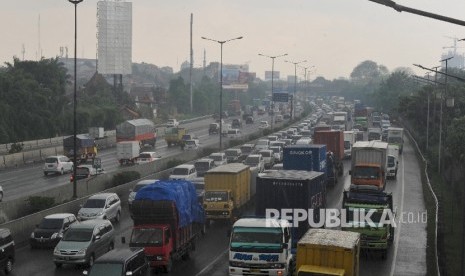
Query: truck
point(260, 246)
point(86, 148)
point(369, 164)
point(140, 130)
point(328, 252)
point(173, 135)
point(392, 162)
point(227, 192)
point(374, 133)
point(96, 132)
point(291, 189)
point(334, 141)
point(91, 167)
point(349, 141)
point(395, 136)
point(168, 219)
point(127, 152)
point(379, 235)
point(234, 108)
point(305, 157)
point(339, 118)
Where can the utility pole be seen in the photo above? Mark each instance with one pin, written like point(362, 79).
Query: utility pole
point(191, 65)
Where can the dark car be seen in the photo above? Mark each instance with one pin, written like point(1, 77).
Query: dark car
point(7, 254)
point(236, 123)
point(120, 262)
point(51, 229)
point(249, 120)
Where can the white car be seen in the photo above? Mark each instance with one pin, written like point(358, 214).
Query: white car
point(219, 158)
point(191, 144)
point(101, 206)
point(268, 158)
point(234, 133)
point(172, 123)
point(262, 144)
point(58, 164)
point(183, 172)
point(255, 160)
point(263, 125)
point(278, 153)
point(146, 157)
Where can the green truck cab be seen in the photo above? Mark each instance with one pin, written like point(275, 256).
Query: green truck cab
point(379, 235)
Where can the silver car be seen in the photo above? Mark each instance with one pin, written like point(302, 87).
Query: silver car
point(84, 242)
point(101, 206)
point(58, 164)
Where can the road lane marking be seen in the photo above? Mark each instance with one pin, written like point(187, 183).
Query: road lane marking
point(210, 265)
point(397, 230)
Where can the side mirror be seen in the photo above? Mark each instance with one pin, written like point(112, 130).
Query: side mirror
point(123, 240)
point(96, 238)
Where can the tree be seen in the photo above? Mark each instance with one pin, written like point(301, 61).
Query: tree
point(368, 71)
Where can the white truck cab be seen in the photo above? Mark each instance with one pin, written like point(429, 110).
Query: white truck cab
point(260, 246)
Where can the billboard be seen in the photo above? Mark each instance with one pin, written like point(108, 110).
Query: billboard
point(114, 37)
point(268, 75)
point(236, 77)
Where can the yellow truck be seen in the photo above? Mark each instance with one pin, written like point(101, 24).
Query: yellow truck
point(328, 252)
point(173, 135)
point(227, 191)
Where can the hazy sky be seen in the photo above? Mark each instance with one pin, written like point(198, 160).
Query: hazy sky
point(333, 35)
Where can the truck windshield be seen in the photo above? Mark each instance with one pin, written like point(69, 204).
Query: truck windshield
point(376, 217)
point(366, 173)
point(346, 145)
point(391, 162)
point(253, 238)
point(152, 236)
point(394, 140)
point(216, 196)
point(202, 166)
point(246, 150)
point(231, 153)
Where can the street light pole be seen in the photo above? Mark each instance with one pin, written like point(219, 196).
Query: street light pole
point(272, 79)
point(440, 118)
point(75, 2)
point(221, 42)
point(295, 84)
point(305, 74)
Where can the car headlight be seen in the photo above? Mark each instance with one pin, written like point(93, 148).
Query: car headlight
point(56, 251)
point(54, 236)
point(99, 213)
point(82, 251)
point(32, 235)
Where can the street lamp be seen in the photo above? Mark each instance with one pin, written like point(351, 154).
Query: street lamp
point(440, 118)
point(272, 78)
point(221, 42)
point(75, 2)
point(295, 83)
point(305, 74)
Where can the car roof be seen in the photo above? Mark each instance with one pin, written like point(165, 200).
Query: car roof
point(205, 160)
point(217, 153)
point(90, 224)
point(185, 166)
point(146, 181)
point(120, 255)
point(59, 216)
point(102, 195)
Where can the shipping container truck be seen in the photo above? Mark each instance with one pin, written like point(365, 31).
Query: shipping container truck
point(305, 157)
point(291, 189)
point(127, 152)
point(260, 246)
point(328, 252)
point(379, 235)
point(369, 164)
point(86, 148)
point(395, 136)
point(227, 191)
point(349, 141)
point(334, 141)
point(167, 221)
point(141, 130)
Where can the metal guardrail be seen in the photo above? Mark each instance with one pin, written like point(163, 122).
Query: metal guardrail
point(438, 272)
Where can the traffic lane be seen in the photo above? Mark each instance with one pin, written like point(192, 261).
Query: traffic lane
point(39, 262)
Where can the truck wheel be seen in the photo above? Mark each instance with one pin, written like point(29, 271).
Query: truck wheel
point(169, 266)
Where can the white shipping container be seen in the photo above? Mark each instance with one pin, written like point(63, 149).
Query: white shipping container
point(128, 150)
point(96, 132)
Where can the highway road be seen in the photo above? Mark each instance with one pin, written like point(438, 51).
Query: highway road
point(29, 179)
point(406, 257)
